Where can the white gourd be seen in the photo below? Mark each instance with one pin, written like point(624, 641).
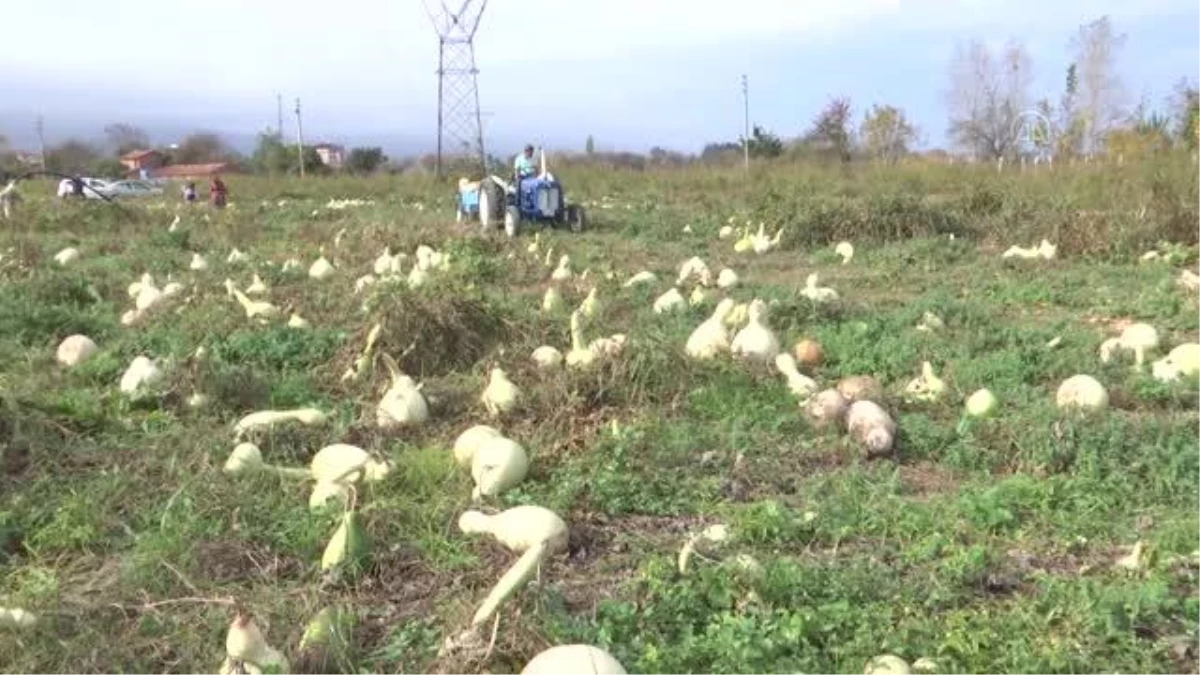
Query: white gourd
point(75, 349)
point(827, 407)
point(727, 278)
point(590, 305)
point(256, 287)
point(800, 384)
point(694, 267)
point(927, 387)
point(871, 426)
point(711, 337)
point(255, 309)
point(469, 442)
point(756, 342)
point(236, 256)
point(533, 531)
point(245, 642)
point(576, 658)
point(643, 277)
point(500, 463)
point(142, 374)
point(266, 418)
point(552, 300)
point(198, 263)
point(321, 268)
point(846, 250)
point(698, 297)
point(547, 357)
point(67, 255)
point(500, 395)
point(817, 293)
point(402, 404)
point(1181, 362)
point(563, 271)
point(580, 355)
point(16, 617)
point(1082, 392)
point(346, 463)
point(725, 232)
point(669, 301)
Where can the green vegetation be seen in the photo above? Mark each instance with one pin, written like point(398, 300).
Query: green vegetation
point(987, 547)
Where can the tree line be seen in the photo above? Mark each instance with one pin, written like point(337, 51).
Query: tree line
point(271, 155)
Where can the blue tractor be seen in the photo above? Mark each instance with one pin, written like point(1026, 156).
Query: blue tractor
point(532, 199)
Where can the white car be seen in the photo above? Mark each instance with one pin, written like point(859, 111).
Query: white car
point(131, 188)
point(92, 186)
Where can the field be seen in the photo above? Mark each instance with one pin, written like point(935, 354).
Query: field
point(985, 545)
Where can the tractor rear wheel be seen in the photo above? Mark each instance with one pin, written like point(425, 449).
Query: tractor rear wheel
point(576, 218)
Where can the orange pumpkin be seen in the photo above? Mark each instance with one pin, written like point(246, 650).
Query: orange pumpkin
point(808, 353)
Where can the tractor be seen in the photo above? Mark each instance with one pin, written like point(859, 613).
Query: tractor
point(533, 199)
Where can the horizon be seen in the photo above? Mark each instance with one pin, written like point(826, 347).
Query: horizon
point(633, 79)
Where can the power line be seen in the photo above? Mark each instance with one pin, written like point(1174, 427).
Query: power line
point(300, 138)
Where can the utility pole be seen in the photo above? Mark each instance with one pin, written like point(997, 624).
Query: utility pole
point(300, 138)
point(279, 110)
point(746, 122)
point(39, 125)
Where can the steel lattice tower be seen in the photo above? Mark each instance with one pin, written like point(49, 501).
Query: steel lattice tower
point(460, 124)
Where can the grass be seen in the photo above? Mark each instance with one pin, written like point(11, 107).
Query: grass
point(987, 547)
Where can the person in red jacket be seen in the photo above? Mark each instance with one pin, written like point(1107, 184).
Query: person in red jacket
point(217, 193)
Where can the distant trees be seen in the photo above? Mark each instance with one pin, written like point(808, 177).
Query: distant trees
point(72, 156)
point(365, 160)
point(123, 138)
point(886, 134)
point(272, 155)
point(987, 94)
point(831, 135)
point(202, 147)
point(589, 146)
point(1100, 99)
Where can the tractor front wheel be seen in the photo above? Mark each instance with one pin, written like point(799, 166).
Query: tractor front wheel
point(491, 203)
point(512, 221)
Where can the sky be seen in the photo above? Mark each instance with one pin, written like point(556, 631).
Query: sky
point(631, 73)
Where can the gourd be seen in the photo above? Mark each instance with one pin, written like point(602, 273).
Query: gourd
point(499, 463)
point(533, 531)
point(402, 404)
point(870, 425)
point(756, 342)
point(1081, 392)
point(575, 658)
point(500, 395)
point(711, 337)
point(75, 349)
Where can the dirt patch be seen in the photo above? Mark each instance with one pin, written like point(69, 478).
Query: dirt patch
point(924, 480)
point(227, 560)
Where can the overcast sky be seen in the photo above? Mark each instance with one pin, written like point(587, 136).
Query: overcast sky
point(634, 73)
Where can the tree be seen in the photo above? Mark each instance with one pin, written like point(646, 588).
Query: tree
point(589, 146)
point(1101, 96)
point(987, 96)
point(202, 147)
point(274, 156)
point(1185, 113)
point(71, 156)
point(365, 160)
point(764, 144)
point(107, 167)
point(125, 138)
point(1069, 142)
point(830, 134)
point(886, 133)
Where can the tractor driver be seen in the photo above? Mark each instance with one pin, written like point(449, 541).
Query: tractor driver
point(524, 165)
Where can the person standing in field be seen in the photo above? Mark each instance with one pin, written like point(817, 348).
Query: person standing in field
point(189, 192)
point(217, 192)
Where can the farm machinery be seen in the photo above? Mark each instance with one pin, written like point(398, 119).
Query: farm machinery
point(530, 199)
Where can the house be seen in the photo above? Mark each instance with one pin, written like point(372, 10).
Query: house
point(138, 160)
point(193, 171)
point(332, 155)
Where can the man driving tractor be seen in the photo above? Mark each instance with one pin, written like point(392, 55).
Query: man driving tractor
point(524, 165)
